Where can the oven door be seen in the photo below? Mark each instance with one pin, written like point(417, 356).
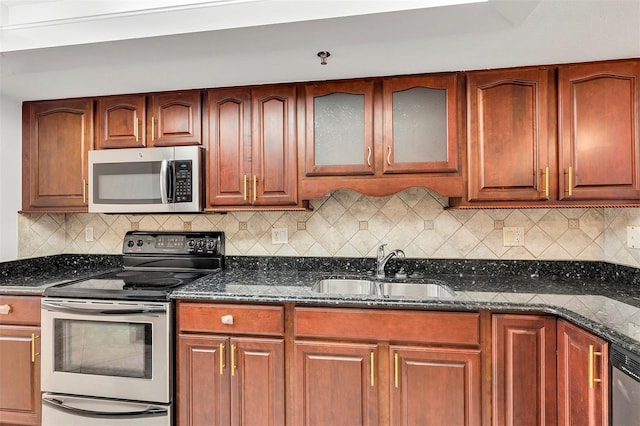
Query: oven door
point(68, 410)
point(110, 349)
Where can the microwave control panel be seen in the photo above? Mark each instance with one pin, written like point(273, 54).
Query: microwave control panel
point(183, 170)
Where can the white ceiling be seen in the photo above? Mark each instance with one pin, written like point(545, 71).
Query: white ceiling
point(66, 48)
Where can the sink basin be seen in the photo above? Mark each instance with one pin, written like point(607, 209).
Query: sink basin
point(364, 287)
point(429, 289)
point(346, 286)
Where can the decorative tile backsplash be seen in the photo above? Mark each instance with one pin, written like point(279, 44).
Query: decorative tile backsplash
point(348, 224)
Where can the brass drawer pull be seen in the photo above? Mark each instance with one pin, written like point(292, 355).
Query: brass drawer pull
point(369, 156)
point(233, 360)
point(34, 354)
point(395, 370)
point(389, 155)
point(244, 194)
point(373, 368)
point(222, 359)
point(592, 355)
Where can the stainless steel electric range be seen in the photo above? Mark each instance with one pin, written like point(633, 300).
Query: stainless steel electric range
point(107, 342)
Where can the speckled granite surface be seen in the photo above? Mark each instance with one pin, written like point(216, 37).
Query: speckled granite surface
point(603, 298)
point(31, 276)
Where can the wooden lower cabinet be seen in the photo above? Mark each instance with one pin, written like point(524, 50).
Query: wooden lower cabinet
point(435, 386)
point(229, 379)
point(583, 377)
point(524, 369)
point(20, 402)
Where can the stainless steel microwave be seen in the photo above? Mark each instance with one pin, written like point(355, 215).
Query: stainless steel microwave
point(145, 180)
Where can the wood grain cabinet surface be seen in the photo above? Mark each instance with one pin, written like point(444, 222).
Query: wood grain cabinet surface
point(524, 369)
point(391, 367)
point(599, 131)
point(232, 378)
point(141, 120)
point(56, 138)
point(380, 136)
point(252, 154)
point(20, 402)
point(583, 377)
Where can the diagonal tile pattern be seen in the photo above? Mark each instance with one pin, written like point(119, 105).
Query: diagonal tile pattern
point(348, 224)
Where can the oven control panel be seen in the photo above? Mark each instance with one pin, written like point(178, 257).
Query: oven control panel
point(174, 243)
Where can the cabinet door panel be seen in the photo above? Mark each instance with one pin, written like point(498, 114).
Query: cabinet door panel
point(121, 121)
point(257, 382)
point(435, 386)
point(579, 401)
point(57, 136)
point(229, 154)
point(339, 129)
point(420, 125)
point(333, 384)
point(524, 373)
point(203, 393)
point(176, 119)
point(19, 375)
point(599, 135)
point(273, 158)
point(508, 135)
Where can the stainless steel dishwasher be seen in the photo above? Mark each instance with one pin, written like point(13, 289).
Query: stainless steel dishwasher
point(625, 387)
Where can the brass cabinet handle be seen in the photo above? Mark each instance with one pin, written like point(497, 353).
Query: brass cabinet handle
point(570, 188)
point(233, 360)
point(389, 155)
point(395, 369)
point(592, 355)
point(222, 359)
point(84, 191)
point(546, 181)
point(369, 156)
point(153, 128)
point(34, 354)
point(373, 368)
point(255, 186)
point(244, 196)
point(135, 128)
point(6, 309)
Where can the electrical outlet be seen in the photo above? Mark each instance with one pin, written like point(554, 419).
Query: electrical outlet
point(88, 233)
point(633, 236)
point(279, 235)
point(513, 236)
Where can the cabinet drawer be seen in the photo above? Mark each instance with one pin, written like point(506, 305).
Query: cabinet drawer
point(22, 310)
point(450, 328)
point(207, 317)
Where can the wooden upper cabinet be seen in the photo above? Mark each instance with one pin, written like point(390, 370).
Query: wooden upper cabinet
point(599, 146)
point(176, 118)
point(56, 138)
point(169, 119)
point(420, 124)
point(509, 144)
point(252, 146)
point(339, 128)
point(583, 377)
point(121, 121)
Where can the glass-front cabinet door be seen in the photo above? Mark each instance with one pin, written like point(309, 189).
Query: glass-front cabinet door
point(339, 126)
point(419, 119)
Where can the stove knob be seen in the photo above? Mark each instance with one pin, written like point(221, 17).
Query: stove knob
point(130, 243)
point(139, 243)
point(191, 244)
point(211, 244)
point(200, 244)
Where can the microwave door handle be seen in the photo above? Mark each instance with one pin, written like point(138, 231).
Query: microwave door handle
point(148, 412)
point(56, 307)
point(166, 184)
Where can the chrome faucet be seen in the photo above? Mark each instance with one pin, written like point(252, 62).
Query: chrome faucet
point(382, 260)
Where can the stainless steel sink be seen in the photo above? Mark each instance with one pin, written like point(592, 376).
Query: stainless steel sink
point(346, 286)
point(364, 287)
point(430, 289)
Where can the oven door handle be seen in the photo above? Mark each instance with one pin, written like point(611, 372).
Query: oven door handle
point(56, 307)
point(148, 412)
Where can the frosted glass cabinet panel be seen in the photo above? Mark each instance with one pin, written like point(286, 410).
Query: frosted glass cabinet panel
point(339, 128)
point(420, 117)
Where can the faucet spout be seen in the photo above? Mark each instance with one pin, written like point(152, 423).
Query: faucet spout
point(382, 260)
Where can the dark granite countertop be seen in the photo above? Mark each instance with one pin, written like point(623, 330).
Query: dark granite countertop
point(33, 275)
point(601, 297)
